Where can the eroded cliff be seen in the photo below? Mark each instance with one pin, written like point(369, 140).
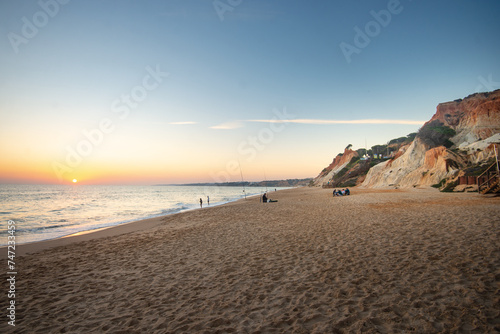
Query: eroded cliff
point(460, 136)
point(339, 163)
point(475, 121)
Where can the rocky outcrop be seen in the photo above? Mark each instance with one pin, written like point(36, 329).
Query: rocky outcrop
point(339, 163)
point(417, 166)
point(476, 121)
point(469, 129)
point(477, 117)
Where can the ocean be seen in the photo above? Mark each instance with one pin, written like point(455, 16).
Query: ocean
point(44, 212)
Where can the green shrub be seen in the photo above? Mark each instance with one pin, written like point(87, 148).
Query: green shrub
point(361, 151)
point(397, 140)
point(349, 183)
point(353, 161)
point(379, 149)
point(436, 134)
point(341, 173)
point(411, 136)
point(440, 184)
point(449, 187)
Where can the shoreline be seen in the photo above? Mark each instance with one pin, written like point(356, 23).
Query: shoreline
point(105, 232)
point(379, 260)
point(148, 223)
point(102, 232)
point(37, 246)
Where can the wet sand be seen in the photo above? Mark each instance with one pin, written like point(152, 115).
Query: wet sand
point(378, 261)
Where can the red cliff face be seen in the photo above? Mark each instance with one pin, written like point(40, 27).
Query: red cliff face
point(476, 117)
point(339, 162)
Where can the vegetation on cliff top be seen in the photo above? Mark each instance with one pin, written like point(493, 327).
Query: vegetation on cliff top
point(436, 134)
point(359, 165)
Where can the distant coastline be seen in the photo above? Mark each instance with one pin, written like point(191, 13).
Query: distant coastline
point(271, 183)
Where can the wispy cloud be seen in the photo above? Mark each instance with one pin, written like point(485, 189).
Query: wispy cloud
point(228, 125)
point(333, 121)
point(239, 124)
point(183, 123)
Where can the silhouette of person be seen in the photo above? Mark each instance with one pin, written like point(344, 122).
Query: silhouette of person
point(201, 203)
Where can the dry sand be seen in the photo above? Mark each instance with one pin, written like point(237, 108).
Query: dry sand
point(376, 261)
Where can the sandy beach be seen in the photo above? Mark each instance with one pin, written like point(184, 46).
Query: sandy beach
point(378, 261)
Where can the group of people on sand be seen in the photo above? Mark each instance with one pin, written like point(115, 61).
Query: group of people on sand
point(343, 192)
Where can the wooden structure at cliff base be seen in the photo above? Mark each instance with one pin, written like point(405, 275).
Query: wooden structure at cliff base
point(489, 181)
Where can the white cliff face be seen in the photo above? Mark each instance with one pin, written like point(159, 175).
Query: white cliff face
point(479, 145)
point(418, 166)
point(393, 172)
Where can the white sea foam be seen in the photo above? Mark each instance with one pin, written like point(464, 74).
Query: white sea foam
point(44, 212)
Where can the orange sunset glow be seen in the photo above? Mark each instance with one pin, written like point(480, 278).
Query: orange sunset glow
point(129, 106)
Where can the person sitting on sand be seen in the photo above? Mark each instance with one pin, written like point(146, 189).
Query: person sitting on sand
point(267, 200)
point(347, 191)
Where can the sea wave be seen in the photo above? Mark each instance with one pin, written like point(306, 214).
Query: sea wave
point(49, 212)
point(175, 210)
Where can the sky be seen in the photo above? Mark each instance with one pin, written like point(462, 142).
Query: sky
point(179, 91)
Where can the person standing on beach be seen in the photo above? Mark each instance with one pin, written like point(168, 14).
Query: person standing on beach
point(201, 203)
point(208, 200)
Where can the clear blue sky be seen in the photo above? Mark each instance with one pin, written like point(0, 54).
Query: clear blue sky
point(68, 66)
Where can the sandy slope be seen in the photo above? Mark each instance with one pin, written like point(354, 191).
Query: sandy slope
point(376, 261)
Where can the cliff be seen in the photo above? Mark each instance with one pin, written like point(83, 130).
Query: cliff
point(459, 137)
point(475, 125)
point(477, 117)
point(338, 164)
point(417, 166)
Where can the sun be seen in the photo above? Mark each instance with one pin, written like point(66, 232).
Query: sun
point(75, 180)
